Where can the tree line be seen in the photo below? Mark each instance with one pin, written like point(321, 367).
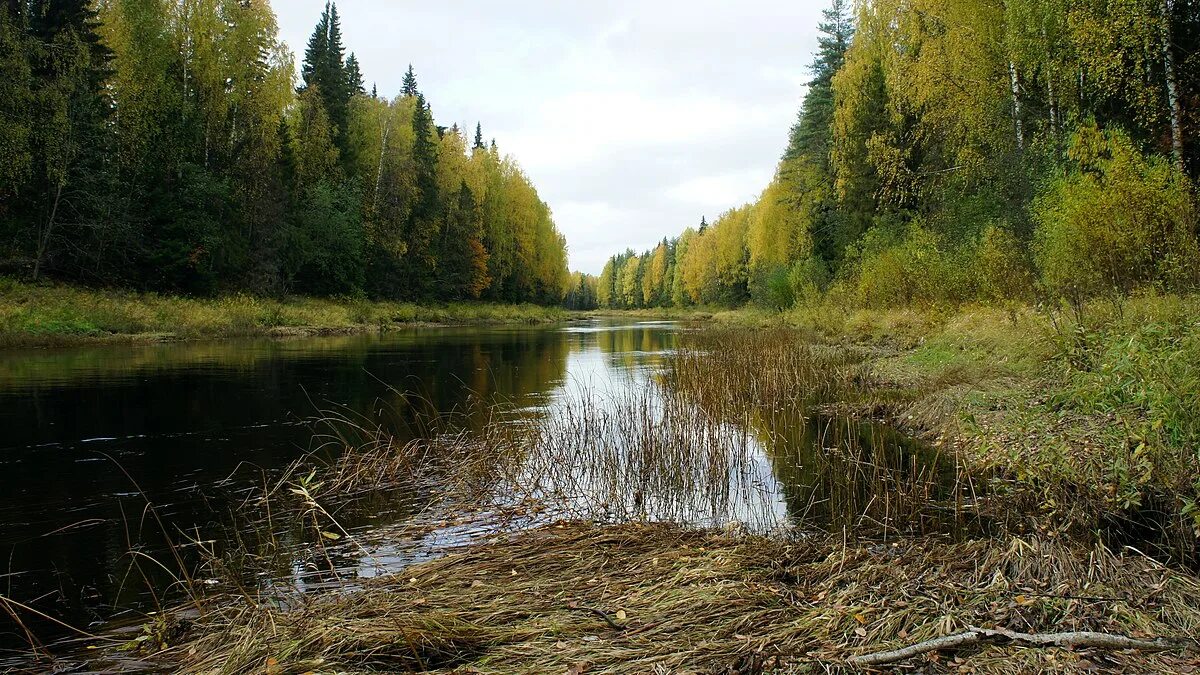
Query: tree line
point(950, 151)
point(165, 145)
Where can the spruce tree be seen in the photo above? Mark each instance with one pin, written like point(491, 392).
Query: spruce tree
point(325, 69)
point(423, 224)
point(70, 67)
point(409, 88)
point(813, 129)
point(354, 78)
point(478, 137)
point(318, 48)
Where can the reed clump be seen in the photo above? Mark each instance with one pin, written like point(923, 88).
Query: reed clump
point(642, 598)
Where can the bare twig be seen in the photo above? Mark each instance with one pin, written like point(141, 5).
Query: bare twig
point(974, 636)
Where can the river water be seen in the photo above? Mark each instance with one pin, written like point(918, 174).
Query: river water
point(107, 453)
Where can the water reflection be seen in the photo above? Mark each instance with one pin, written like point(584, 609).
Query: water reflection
point(93, 435)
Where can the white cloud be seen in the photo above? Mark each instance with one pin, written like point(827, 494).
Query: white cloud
point(632, 118)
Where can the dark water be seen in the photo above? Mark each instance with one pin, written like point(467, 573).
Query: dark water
point(90, 436)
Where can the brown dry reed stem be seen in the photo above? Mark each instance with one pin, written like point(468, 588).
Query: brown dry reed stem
point(703, 601)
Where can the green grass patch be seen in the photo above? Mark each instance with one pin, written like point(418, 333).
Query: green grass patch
point(38, 315)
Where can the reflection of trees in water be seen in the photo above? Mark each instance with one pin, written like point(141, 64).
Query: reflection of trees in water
point(194, 424)
point(638, 452)
point(465, 379)
point(636, 346)
point(839, 472)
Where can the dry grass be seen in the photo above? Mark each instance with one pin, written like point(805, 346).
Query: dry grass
point(689, 601)
point(40, 315)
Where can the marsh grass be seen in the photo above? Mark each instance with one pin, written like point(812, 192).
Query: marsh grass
point(700, 601)
point(1083, 416)
point(37, 315)
point(877, 554)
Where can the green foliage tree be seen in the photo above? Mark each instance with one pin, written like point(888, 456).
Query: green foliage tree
point(216, 173)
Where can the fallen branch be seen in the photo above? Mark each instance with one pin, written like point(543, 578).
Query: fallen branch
point(1001, 636)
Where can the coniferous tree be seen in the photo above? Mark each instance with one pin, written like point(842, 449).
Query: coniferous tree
point(805, 164)
point(67, 197)
point(478, 137)
point(325, 69)
point(16, 119)
point(422, 232)
point(813, 127)
point(354, 78)
point(316, 55)
point(409, 87)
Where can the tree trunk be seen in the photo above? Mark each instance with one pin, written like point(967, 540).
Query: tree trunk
point(1174, 109)
point(1016, 100)
point(44, 238)
point(387, 128)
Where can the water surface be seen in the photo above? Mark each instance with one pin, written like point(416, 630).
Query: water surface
point(94, 436)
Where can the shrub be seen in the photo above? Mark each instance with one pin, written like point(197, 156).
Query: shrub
point(918, 269)
point(777, 289)
point(1119, 222)
point(809, 278)
point(1004, 273)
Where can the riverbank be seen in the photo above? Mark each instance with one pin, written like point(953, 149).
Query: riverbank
point(1071, 436)
point(578, 598)
point(1090, 415)
point(49, 315)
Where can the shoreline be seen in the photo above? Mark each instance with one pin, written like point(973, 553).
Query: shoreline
point(40, 316)
point(1018, 408)
point(579, 597)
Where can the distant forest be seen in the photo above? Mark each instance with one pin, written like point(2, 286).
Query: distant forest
point(952, 151)
point(168, 145)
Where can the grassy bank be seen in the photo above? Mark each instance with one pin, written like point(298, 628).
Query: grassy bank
point(1072, 441)
point(1091, 416)
point(41, 315)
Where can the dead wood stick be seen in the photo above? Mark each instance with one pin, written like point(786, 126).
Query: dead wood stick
point(1001, 636)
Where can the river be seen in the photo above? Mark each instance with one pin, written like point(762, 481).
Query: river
point(118, 454)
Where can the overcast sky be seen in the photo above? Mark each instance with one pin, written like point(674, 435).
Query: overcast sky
point(632, 118)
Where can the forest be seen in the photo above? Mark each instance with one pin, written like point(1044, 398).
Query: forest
point(955, 151)
point(169, 146)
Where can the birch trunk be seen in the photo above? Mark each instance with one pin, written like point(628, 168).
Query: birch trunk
point(1016, 96)
point(1172, 92)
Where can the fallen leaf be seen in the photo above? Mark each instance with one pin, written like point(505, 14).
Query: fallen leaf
point(332, 536)
point(860, 631)
point(621, 614)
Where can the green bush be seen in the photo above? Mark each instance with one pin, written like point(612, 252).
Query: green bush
point(1004, 273)
point(774, 290)
point(1119, 222)
point(918, 269)
point(809, 278)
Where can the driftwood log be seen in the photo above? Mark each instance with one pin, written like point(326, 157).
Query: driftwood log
point(1000, 636)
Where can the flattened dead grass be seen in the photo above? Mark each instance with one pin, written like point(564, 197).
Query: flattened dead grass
point(694, 601)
